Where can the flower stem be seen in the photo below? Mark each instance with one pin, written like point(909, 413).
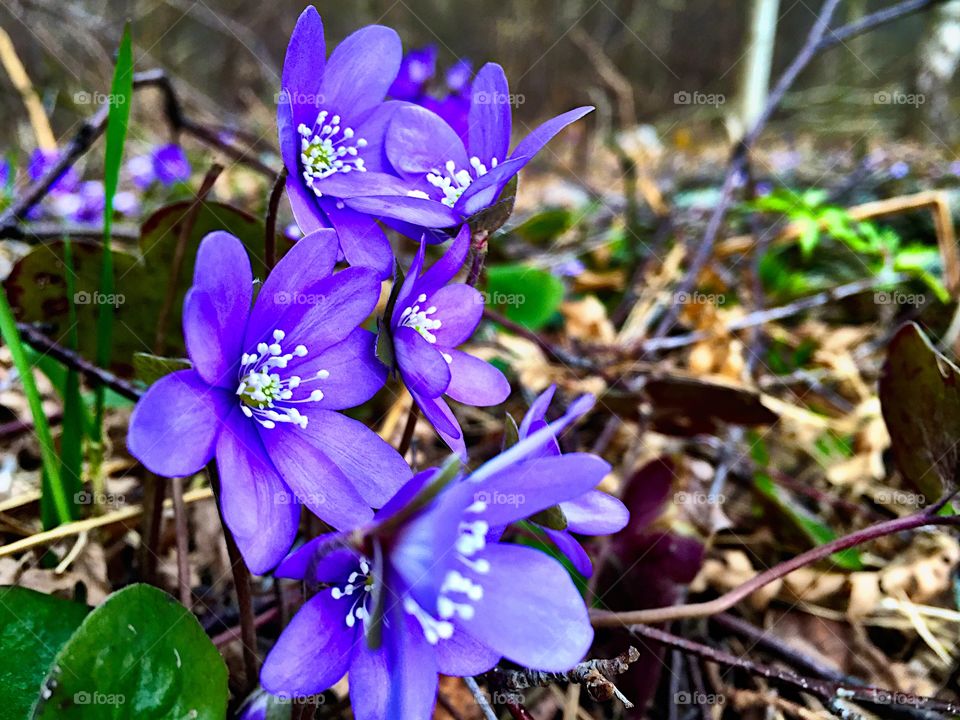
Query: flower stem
point(273, 206)
point(409, 428)
point(478, 248)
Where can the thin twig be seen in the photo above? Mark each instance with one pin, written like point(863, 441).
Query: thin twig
point(481, 699)
point(273, 207)
point(183, 536)
point(93, 374)
point(726, 601)
point(828, 690)
point(241, 583)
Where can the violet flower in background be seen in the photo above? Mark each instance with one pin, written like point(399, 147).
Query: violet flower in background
point(41, 161)
point(417, 68)
point(593, 513)
point(331, 120)
point(415, 84)
point(170, 164)
point(263, 394)
point(450, 600)
point(430, 318)
point(452, 179)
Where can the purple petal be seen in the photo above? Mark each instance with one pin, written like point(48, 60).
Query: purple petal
point(303, 69)
point(363, 241)
point(361, 69)
point(444, 422)
point(374, 130)
point(446, 268)
point(460, 309)
point(201, 333)
point(370, 680)
point(259, 509)
point(418, 211)
point(417, 68)
point(569, 546)
point(222, 272)
point(462, 655)
point(422, 367)
point(356, 374)
point(320, 560)
point(314, 478)
point(313, 652)
point(595, 513)
point(374, 468)
point(413, 668)
point(530, 612)
point(410, 281)
point(537, 414)
point(532, 446)
point(419, 141)
point(360, 184)
point(476, 382)
point(307, 212)
point(174, 426)
point(490, 115)
point(486, 189)
point(526, 488)
point(534, 142)
point(310, 260)
point(320, 315)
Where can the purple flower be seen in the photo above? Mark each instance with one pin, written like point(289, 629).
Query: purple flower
point(170, 164)
point(263, 394)
point(448, 180)
point(429, 320)
point(84, 204)
point(458, 76)
point(141, 172)
point(440, 595)
point(417, 69)
point(6, 174)
point(593, 513)
point(331, 120)
point(41, 161)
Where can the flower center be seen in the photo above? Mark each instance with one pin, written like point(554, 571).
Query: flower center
point(452, 182)
point(458, 593)
point(420, 320)
point(264, 394)
point(327, 148)
point(359, 583)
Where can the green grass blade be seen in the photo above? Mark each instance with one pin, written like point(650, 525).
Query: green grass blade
point(48, 453)
point(118, 119)
point(74, 412)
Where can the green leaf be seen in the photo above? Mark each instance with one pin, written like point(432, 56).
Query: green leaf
point(118, 120)
point(138, 655)
point(920, 401)
point(811, 526)
point(150, 368)
point(492, 218)
point(33, 628)
point(38, 290)
point(547, 224)
point(48, 453)
point(552, 518)
point(527, 295)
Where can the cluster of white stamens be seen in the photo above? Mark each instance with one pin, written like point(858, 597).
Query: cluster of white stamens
point(357, 581)
point(472, 540)
point(453, 182)
point(328, 148)
point(264, 395)
point(420, 320)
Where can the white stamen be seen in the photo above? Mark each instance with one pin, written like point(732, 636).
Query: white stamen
point(326, 149)
point(452, 182)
